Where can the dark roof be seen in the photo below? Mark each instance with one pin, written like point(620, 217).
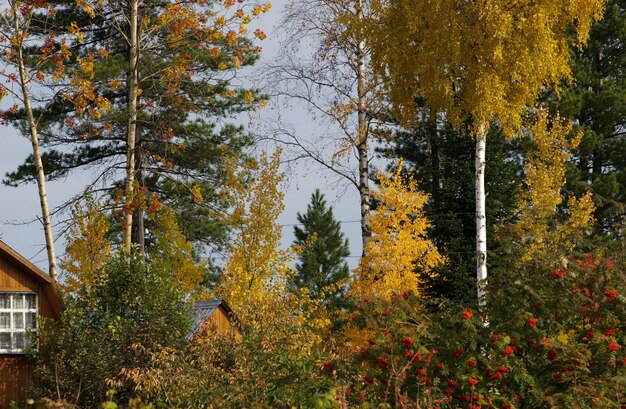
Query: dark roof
point(50, 286)
point(202, 310)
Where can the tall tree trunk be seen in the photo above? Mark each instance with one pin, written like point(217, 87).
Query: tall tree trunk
point(139, 231)
point(362, 149)
point(133, 85)
point(481, 219)
point(34, 140)
point(434, 161)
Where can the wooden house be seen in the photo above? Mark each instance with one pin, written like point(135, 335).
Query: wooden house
point(214, 315)
point(26, 294)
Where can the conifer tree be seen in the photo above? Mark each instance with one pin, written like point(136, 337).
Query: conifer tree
point(321, 266)
point(441, 158)
point(596, 100)
point(176, 63)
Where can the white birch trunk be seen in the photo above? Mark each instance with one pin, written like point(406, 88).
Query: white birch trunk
point(34, 140)
point(133, 85)
point(481, 219)
point(362, 148)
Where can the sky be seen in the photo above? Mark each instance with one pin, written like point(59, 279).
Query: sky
point(20, 210)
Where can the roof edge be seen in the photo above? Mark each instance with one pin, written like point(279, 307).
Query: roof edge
point(33, 269)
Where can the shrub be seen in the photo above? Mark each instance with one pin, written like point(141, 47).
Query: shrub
point(133, 308)
point(551, 335)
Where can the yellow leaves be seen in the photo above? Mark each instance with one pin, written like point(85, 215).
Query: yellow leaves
point(248, 96)
point(172, 252)
point(73, 28)
point(260, 34)
point(236, 61)
point(475, 60)
point(86, 66)
point(261, 8)
point(115, 84)
point(87, 247)
point(196, 192)
point(256, 274)
point(87, 8)
point(231, 37)
point(215, 52)
point(538, 227)
point(399, 249)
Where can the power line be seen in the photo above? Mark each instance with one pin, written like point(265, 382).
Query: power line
point(338, 221)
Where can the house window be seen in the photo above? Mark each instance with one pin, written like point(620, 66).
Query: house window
point(18, 318)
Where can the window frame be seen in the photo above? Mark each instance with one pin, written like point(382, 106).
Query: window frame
point(27, 331)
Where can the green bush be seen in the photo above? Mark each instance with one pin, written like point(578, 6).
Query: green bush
point(107, 330)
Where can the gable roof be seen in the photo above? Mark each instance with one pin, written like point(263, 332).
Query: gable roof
point(50, 287)
point(202, 310)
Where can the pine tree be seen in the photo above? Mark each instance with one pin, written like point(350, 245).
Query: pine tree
point(321, 265)
point(188, 54)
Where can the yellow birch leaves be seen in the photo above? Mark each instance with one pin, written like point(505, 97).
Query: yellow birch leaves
point(257, 271)
point(477, 61)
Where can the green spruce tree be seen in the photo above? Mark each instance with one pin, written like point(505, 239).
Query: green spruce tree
point(596, 100)
point(321, 265)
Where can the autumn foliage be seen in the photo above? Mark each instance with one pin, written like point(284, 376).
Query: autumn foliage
point(548, 329)
point(399, 251)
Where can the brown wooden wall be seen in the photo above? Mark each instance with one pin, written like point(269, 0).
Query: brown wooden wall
point(15, 370)
point(219, 321)
point(16, 375)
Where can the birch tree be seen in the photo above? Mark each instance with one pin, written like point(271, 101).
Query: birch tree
point(336, 84)
point(400, 254)
point(476, 62)
point(20, 80)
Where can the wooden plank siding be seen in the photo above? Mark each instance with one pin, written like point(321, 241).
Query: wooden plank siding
point(19, 275)
point(222, 323)
point(16, 376)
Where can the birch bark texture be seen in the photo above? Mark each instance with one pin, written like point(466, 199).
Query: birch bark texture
point(131, 137)
point(17, 20)
point(481, 215)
